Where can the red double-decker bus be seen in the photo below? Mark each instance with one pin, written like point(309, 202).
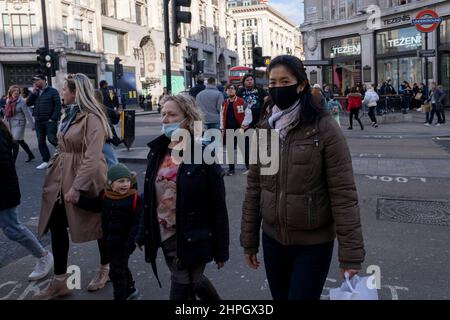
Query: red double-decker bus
point(238, 72)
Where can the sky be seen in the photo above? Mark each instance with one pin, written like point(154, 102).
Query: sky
point(293, 9)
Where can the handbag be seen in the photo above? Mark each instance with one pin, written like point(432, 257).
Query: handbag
point(418, 96)
point(426, 107)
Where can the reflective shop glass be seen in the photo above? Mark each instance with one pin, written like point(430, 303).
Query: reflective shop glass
point(444, 31)
point(333, 48)
point(399, 70)
point(399, 40)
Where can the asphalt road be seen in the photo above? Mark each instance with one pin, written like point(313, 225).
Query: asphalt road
point(401, 172)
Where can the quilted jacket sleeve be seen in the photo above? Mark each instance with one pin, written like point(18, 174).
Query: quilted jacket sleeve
point(343, 196)
point(251, 217)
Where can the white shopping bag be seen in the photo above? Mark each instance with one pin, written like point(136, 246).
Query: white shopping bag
point(358, 288)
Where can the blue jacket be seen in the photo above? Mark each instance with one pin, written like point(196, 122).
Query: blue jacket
point(46, 106)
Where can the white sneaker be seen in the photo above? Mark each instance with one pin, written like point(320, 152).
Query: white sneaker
point(426, 124)
point(245, 172)
point(43, 165)
point(42, 268)
point(437, 125)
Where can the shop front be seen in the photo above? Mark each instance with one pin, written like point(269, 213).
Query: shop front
point(444, 56)
point(396, 56)
point(345, 57)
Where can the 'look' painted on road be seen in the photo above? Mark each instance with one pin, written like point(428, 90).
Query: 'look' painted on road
point(396, 179)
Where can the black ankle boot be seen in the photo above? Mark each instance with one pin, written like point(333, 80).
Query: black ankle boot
point(30, 157)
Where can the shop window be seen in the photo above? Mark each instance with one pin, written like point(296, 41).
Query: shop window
point(444, 32)
point(399, 70)
point(399, 40)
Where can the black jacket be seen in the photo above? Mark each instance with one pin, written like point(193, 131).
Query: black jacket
point(196, 90)
point(120, 219)
point(47, 106)
point(201, 213)
point(257, 106)
point(9, 183)
point(107, 101)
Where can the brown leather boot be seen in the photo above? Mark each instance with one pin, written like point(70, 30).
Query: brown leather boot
point(55, 289)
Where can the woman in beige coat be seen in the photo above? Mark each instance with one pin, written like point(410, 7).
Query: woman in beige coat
point(77, 167)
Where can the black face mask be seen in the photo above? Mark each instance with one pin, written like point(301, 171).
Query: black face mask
point(284, 97)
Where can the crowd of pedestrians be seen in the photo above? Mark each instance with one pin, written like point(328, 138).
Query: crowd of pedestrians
point(181, 206)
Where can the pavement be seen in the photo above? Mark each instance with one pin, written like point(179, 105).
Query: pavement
point(402, 175)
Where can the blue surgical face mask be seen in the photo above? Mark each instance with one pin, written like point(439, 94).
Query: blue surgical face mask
point(169, 128)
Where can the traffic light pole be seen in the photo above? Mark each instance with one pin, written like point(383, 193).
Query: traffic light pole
point(167, 46)
point(253, 50)
point(46, 44)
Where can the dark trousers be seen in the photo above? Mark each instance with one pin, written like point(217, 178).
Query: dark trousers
point(296, 272)
point(46, 130)
point(203, 289)
point(372, 114)
point(60, 240)
point(435, 110)
point(355, 112)
point(230, 156)
point(442, 114)
point(119, 272)
point(24, 146)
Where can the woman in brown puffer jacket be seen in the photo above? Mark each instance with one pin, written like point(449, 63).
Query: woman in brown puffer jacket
point(312, 197)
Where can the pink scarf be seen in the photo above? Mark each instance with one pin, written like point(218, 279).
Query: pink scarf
point(10, 107)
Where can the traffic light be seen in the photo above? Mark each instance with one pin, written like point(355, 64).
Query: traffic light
point(266, 60)
point(199, 67)
point(44, 59)
point(179, 17)
point(54, 59)
point(258, 60)
point(118, 68)
point(188, 63)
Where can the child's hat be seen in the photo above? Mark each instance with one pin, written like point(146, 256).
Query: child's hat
point(117, 172)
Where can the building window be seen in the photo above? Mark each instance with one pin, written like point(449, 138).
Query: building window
point(91, 34)
point(78, 30)
point(20, 30)
point(104, 4)
point(342, 9)
point(34, 30)
point(139, 14)
point(65, 31)
point(113, 42)
point(235, 39)
point(394, 3)
point(209, 59)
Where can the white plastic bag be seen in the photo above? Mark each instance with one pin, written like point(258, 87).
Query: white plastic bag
point(358, 288)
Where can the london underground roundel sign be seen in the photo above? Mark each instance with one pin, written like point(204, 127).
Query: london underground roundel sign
point(427, 21)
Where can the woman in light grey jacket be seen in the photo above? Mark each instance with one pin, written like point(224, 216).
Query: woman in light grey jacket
point(17, 114)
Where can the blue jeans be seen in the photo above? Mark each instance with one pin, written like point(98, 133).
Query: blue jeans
point(110, 155)
point(18, 232)
point(296, 272)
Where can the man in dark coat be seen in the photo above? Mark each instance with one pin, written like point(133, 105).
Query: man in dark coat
point(199, 87)
point(46, 113)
